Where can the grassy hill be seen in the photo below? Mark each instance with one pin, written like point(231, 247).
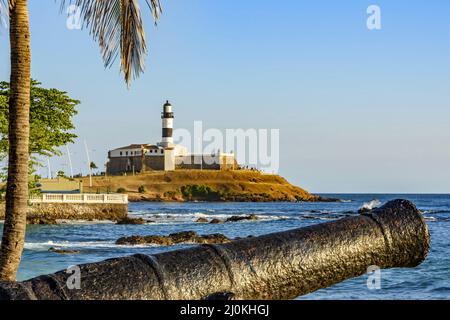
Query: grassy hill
point(206, 185)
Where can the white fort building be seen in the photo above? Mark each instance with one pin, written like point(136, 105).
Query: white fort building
point(165, 155)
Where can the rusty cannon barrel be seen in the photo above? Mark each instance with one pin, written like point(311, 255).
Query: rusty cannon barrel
point(282, 265)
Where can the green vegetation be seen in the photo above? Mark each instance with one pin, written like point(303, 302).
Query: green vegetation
point(61, 174)
point(93, 166)
point(170, 194)
point(51, 115)
point(121, 190)
point(199, 191)
point(142, 189)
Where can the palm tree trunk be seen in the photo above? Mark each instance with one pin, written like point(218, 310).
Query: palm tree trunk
point(19, 127)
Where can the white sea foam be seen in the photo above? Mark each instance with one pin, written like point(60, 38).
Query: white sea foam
point(68, 244)
point(44, 246)
point(83, 222)
point(371, 204)
point(435, 211)
point(173, 218)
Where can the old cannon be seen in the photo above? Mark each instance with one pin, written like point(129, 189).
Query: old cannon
point(282, 265)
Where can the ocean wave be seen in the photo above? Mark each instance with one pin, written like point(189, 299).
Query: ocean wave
point(44, 246)
point(328, 212)
point(435, 219)
point(83, 222)
point(435, 211)
point(65, 244)
point(171, 218)
point(371, 205)
point(322, 217)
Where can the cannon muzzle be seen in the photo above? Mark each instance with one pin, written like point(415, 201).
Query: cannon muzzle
point(282, 265)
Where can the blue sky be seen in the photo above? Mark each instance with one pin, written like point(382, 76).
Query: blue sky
point(358, 110)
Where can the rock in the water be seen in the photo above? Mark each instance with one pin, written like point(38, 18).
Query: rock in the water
point(213, 238)
point(242, 218)
point(215, 221)
point(184, 236)
point(129, 220)
point(61, 251)
point(323, 199)
point(137, 240)
point(41, 221)
point(174, 238)
point(202, 220)
point(364, 210)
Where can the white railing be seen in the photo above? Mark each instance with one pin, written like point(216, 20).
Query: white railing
point(79, 198)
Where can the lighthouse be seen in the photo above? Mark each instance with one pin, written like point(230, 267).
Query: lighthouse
point(167, 125)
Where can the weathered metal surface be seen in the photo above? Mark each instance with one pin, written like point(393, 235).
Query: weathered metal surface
point(276, 266)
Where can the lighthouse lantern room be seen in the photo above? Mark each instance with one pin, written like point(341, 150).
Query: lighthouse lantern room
point(167, 126)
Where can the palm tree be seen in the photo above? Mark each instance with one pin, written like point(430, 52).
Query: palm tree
point(118, 28)
point(93, 166)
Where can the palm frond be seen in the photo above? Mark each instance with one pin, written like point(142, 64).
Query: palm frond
point(118, 28)
point(5, 5)
point(4, 11)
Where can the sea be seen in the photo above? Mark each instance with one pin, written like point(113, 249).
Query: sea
point(95, 241)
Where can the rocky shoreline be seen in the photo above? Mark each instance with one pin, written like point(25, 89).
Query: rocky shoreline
point(205, 185)
point(136, 197)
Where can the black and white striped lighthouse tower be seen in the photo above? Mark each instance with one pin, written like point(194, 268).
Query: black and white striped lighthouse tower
point(167, 125)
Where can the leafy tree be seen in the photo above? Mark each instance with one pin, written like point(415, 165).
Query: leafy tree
point(61, 174)
point(118, 28)
point(51, 114)
point(93, 166)
point(121, 190)
point(199, 191)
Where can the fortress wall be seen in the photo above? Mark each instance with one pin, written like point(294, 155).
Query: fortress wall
point(192, 162)
point(168, 161)
point(155, 163)
point(121, 165)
